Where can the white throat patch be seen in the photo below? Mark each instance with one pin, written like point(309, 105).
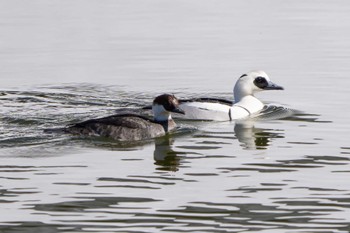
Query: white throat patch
point(160, 113)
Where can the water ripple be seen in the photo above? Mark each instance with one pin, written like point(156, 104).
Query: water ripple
point(253, 175)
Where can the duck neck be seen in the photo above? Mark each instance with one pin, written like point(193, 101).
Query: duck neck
point(168, 125)
point(160, 114)
point(163, 117)
point(250, 102)
point(240, 98)
point(240, 92)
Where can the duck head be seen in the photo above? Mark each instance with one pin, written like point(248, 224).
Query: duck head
point(250, 83)
point(163, 105)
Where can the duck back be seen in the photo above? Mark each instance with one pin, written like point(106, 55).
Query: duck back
point(126, 127)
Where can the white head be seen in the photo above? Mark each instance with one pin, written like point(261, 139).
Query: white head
point(163, 105)
point(253, 82)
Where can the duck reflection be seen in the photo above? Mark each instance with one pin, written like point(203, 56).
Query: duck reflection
point(251, 137)
point(164, 155)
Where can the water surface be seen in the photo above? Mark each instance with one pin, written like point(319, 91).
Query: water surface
point(63, 62)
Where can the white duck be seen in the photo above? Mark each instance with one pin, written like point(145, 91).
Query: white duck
point(245, 103)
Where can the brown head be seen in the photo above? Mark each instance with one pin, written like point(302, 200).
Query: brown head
point(163, 105)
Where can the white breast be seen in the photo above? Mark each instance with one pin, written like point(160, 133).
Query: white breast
point(238, 112)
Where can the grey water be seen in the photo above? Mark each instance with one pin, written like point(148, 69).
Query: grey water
point(62, 62)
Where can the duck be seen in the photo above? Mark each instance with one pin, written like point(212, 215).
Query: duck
point(244, 105)
point(130, 126)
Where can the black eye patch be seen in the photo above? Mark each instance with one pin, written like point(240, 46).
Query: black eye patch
point(261, 82)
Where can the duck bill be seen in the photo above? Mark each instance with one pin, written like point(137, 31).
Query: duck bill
point(273, 86)
point(178, 110)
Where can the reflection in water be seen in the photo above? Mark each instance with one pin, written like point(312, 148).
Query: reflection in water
point(164, 155)
point(252, 137)
point(260, 138)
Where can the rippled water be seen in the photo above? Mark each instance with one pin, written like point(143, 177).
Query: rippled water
point(87, 59)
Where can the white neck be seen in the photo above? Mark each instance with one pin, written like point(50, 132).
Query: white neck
point(240, 91)
point(160, 114)
point(251, 103)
